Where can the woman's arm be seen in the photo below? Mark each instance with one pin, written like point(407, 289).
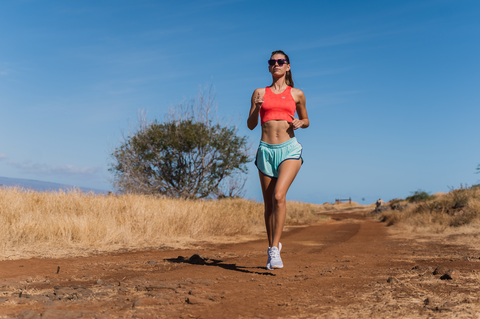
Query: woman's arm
point(302, 121)
point(255, 106)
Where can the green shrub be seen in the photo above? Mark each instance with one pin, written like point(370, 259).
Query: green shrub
point(419, 196)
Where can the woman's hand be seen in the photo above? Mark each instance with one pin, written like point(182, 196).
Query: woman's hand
point(258, 101)
point(296, 123)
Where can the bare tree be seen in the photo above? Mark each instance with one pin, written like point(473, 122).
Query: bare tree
point(188, 155)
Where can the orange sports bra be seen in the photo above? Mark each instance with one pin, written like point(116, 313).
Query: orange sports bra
point(277, 106)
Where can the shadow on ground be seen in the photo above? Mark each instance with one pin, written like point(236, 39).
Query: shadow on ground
point(196, 259)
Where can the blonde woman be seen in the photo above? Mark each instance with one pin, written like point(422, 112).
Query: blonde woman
point(279, 156)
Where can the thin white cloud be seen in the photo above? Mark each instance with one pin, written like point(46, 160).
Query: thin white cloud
point(3, 156)
point(58, 170)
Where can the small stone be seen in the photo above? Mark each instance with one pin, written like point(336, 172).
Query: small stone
point(197, 260)
point(440, 270)
point(151, 262)
point(100, 281)
point(191, 300)
point(392, 280)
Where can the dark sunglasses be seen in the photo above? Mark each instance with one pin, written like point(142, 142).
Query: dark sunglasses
point(280, 62)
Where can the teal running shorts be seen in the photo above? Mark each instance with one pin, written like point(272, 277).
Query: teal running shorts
point(270, 156)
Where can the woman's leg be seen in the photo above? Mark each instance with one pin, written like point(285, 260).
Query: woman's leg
point(268, 186)
point(286, 174)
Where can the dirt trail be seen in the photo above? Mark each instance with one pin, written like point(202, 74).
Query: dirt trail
point(348, 267)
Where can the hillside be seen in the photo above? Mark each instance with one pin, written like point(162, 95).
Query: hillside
point(43, 186)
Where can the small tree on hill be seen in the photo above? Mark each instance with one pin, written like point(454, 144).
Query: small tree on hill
point(419, 196)
point(188, 155)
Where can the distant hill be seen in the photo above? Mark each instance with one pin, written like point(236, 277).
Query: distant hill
point(43, 186)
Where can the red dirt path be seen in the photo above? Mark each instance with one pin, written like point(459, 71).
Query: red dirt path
point(348, 267)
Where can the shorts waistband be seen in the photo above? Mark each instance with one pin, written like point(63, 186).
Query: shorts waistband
point(272, 146)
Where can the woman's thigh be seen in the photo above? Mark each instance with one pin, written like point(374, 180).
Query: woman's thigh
point(268, 186)
point(287, 172)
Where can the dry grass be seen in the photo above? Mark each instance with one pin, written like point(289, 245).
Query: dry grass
point(453, 217)
point(327, 207)
point(74, 223)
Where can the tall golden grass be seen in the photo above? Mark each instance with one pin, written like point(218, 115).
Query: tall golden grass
point(74, 223)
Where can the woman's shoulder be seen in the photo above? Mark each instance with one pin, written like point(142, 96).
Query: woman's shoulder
point(258, 93)
point(298, 95)
point(296, 91)
point(259, 90)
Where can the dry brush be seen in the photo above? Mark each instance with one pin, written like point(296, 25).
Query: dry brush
point(457, 210)
point(75, 223)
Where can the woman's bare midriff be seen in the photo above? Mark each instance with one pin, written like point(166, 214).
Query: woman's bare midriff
point(277, 132)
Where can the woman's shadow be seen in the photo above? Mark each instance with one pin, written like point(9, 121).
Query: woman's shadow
point(196, 259)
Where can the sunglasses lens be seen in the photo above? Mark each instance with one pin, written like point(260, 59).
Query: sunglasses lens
point(280, 62)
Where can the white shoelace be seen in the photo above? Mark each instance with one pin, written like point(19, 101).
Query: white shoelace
point(274, 253)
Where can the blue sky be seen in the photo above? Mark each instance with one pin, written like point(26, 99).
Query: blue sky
point(392, 87)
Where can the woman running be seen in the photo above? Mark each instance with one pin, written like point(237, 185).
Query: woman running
point(279, 155)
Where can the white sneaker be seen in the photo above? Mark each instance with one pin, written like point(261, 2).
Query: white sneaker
point(275, 259)
point(269, 267)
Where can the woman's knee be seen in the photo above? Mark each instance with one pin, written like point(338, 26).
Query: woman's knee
point(280, 198)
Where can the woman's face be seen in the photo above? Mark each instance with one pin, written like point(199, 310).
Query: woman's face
point(276, 69)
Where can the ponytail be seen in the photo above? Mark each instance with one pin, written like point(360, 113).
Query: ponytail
point(288, 76)
point(289, 79)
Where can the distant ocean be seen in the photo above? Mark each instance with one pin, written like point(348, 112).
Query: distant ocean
point(42, 186)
